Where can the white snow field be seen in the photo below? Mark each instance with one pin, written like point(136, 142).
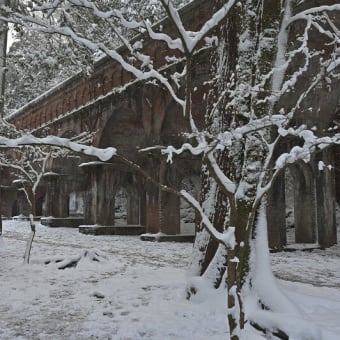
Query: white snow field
point(137, 289)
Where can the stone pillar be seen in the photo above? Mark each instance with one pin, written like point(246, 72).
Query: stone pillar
point(62, 197)
point(170, 214)
point(304, 204)
point(133, 207)
point(150, 202)
point(325, 195)
point(56, 196)
point(276, 214)
point(99, 198)
point(142, 203)
point(152, 209)
point(90, 196)
point(50, 194)
point(169, 203)
point(105, 205)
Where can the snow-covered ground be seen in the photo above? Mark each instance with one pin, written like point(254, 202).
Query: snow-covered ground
point(137, 290)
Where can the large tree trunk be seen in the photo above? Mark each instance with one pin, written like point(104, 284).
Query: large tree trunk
point(210, 258)
point(234, 67)
point(243, 218)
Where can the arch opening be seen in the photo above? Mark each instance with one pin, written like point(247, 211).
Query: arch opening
point(121, 206)
point(301, 208)
point(188, 216)
point(76, 203)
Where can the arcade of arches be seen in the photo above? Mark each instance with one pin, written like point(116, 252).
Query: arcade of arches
point(301, 206)
point(131, 115)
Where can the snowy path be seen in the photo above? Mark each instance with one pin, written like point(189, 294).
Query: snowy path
point(320, 267)
point(142, 283)
point(317, 267)
point(142, 288)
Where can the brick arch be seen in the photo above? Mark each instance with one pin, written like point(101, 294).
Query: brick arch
point(174, 121)
point(97, 85)
point(124, 130)
point(74, 98)
point(54, 111)
point(154, 104)
point(85, 94)
point(135, 194)
point(70, 127)
point(172, 125)
point(59, 108)
point(104, 85)
point(60, 164)
point(67, 106)
point(65, 177)
point(48, 114)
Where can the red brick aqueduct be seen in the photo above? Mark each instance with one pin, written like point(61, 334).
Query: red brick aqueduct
point(131, 114)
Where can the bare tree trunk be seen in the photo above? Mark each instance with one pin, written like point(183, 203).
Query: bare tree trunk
point(29, 241)
point(32, 234)
point(209, 261)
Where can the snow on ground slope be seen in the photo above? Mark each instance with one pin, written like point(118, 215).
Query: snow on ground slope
point(142, 285)
point(137, 291)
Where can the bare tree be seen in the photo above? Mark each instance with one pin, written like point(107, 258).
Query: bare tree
point(27, 157)
point(28, 165)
